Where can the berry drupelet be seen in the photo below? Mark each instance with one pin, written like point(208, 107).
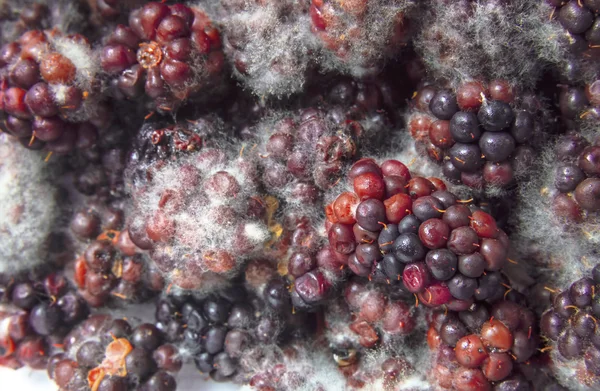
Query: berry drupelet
point(398, 229)
point(106, 353)
point(167, 53)
point(482, 135)
point(572, 331)
point(477, 349)
point(49, 90)
point(37, 310)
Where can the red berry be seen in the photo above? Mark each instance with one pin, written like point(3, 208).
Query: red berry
point(484, 224)
point(470, 351)
point(395, 168)
point(495, 334)
point(369, 185)
point(344, 207)
point(466, 379)
point(397, 207)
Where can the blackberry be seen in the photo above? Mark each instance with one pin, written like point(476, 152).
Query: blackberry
point(113, 267)
point(159, 140)
point(570, 328)
point(268, 45)
point(39, 308)
point(483, 135)
point(106, 352)
point(30, 224)
point(199, 215)
point(459, 40)
point(383, 370)
point(378, 29)
point(49, 83)
point(63, 15)
point(482, 345)
point(575, 175)
point(368, 316)
point(167, 53)
point(565, 199)
point(416, 234)
point(220, 331)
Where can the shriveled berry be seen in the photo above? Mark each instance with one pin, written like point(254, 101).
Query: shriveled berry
point(416, 277)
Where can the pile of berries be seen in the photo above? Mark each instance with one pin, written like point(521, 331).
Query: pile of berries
point(264, 177)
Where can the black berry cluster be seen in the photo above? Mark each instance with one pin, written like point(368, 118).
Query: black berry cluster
point(398, 229)
point(478, 348)
point(38, 310)
point(106, 353)
point(570, 326)
point(167, 53)
point(482, 135)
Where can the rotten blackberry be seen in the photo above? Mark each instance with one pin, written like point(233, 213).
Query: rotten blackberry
point(581, 25)
point(30, 224)
point(220, 331)
point(399, 229)
point(49, 87)
point(559, 209)
point(380, 369)
point(199, 215)
point(369, 315)
point(482, 135)
point(378, 30)
point(573, 335)
point(167, 53)
point(38, 309)
point(113, 268)
point(480, 347)
point(268, 44)
point(105, 352)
